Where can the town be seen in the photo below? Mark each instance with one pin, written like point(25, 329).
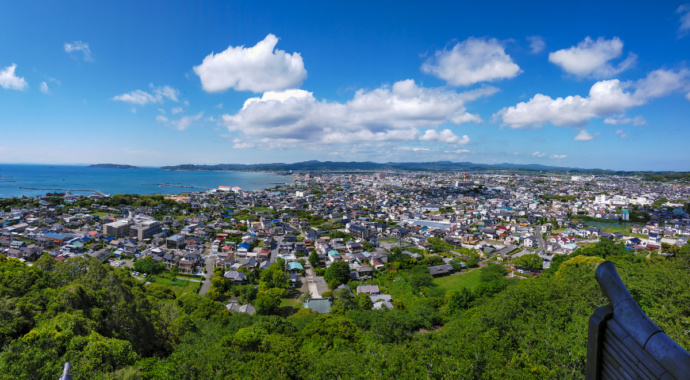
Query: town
point(212, 242)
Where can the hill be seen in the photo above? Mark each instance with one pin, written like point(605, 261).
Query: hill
point(110, 325)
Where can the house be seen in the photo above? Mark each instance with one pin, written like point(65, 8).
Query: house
point(235, 308)
point(440, 270)
point(368, 289)
point(364, 272)
point(295, 267)
point(530, 241)
point(186, 266)
point(236, 277)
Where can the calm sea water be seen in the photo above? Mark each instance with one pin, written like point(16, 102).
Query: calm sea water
point(123, 181)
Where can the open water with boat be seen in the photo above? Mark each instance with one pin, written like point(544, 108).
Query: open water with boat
point(31, 180)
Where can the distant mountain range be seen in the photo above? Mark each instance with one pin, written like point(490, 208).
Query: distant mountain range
point(373, 166)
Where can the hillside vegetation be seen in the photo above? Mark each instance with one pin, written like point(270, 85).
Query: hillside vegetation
point(111, 326)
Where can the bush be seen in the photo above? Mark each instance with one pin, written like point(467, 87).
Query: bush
point(149, 266)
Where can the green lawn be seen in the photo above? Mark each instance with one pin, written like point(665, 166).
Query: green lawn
point(389, 240)
point(292, 302)
point(178, 286)
point(457, 282)
point(263, 209)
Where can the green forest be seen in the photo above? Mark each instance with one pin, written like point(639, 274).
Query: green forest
point(111, 326)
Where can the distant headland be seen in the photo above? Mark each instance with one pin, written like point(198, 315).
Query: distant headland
point(113, 166)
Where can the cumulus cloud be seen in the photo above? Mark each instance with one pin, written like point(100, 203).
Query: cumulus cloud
point(161, 119)
point(558, 156)
point(446, 136)
point(77, 47)
point(395, 113)
point(606, 98)
point(538, 154)
point(414, 149)
point(472, 61)
point(258, 68)
point(684, 12)
point(585, 136)
point(8, 80)
point(157, 95)
point(176, 110)
point(637, 120)
point(591, 58)
point(536, 44)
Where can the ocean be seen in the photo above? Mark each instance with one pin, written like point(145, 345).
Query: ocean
point(61, 178)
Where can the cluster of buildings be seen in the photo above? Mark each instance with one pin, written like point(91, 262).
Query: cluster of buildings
point(357, 218)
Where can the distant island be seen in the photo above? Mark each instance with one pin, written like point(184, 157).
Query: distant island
point(113, 166)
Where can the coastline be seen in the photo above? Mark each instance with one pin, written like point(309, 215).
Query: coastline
point(145, 181)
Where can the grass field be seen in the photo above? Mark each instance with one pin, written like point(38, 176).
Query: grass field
point(292, 302)
point(466, 280)
point(263, 209)
point(178, 286)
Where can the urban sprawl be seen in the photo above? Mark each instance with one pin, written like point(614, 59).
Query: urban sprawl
point(449, 222)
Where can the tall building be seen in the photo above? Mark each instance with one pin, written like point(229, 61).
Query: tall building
point(118, 228)
point(145, 229)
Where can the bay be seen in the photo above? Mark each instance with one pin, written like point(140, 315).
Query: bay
point(122, 181)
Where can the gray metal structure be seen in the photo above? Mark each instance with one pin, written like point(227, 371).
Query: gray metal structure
point(623, 343)
point(65, 372)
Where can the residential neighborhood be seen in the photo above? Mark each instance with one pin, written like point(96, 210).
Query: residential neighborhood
point(447, 220)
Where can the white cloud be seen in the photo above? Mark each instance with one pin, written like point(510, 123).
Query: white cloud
point(538, 154)
point(161, 119)
point(472, 61)
point(414, 149)
point(395, 113)
point(157, 95)
point(687, 96)
point(186, 121)
point(585, 136)
point(558, 156)
point(446, 136)
point(536, 44)
point(9, 80)
point(660, 83)
point(606, 98)
point(79, 47)
point(258, 68)
point(458, 151)
point(684, 12)
point(591, 58)
point(621, 134)
point(176, 110)
point(44, 88)
point(637, 120)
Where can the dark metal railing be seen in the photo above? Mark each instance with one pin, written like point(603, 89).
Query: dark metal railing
point(623, 343)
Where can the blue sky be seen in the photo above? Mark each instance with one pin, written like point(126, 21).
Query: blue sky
point(154, 83)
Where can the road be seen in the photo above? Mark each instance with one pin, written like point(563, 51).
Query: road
point(274, 249)
point(314, 284)
point(210, 264)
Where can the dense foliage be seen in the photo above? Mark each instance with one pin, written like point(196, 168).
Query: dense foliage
point(109, 325)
